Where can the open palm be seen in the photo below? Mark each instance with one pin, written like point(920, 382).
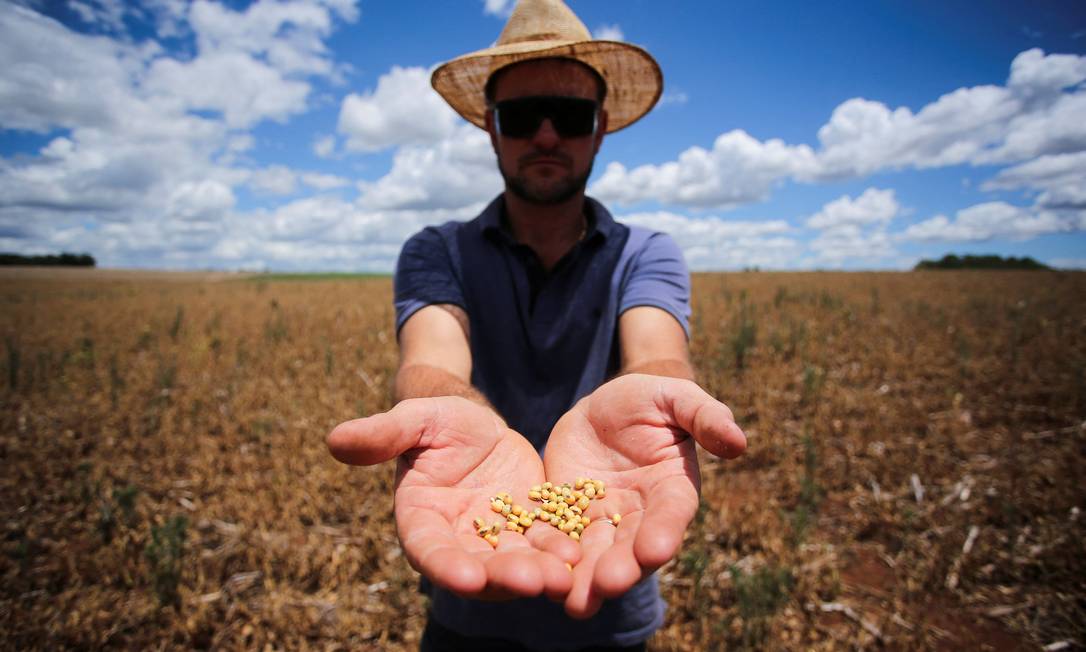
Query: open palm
point(453, 456)
point(637, 434)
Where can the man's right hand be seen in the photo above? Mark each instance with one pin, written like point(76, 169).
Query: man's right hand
point(454, 456)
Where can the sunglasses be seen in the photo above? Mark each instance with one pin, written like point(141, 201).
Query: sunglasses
point(572, 117)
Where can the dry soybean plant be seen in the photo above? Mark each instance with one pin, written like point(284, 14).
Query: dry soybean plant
point(911, 480)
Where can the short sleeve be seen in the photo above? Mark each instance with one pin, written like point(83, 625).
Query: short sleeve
point(426, 274)
point(659, 278)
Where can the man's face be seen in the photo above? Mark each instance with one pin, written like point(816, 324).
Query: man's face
point(546, 168)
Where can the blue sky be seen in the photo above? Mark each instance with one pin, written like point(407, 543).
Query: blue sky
point(303, 135)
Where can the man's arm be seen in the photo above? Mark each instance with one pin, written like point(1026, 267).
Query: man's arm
point(435, 356)
point(653, 342)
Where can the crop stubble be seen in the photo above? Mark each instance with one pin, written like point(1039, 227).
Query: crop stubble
point(912, 480)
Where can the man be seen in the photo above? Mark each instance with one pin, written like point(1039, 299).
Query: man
point(509, 327)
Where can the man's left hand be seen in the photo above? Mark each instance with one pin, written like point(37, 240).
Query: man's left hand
point(636, 433)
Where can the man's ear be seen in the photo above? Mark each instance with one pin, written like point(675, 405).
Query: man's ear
point(601, 129)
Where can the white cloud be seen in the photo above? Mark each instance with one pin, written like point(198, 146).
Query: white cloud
point(608, 33)
point(135, 177)
point(1061, 177)
point(274, 180)
point(325, 146)
point(1041, 111)
point(995, 220)
point(404, 109)
point(850, 242)
point(323, 181)
point(458, 171)
point(710, 243)
point(244, 89)
point(874, 206)
point(501, 8)
point(738, 170)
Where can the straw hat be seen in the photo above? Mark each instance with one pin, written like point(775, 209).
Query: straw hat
point(540, 29)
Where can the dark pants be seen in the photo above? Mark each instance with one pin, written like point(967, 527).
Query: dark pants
point(437, 638)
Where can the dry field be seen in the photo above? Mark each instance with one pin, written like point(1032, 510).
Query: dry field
point(911, 482)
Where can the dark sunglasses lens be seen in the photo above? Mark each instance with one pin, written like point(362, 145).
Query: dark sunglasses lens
point(571, 116)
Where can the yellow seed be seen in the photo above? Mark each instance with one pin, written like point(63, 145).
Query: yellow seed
point(576, 510)
point(579, 483)
point(536, 488)
point(578, 528)
point(576, 536)
point(550, 507)
point(495, 528)
point(536, 513)
point(505, 509)
point(600, 493)
point(616, 517)
point(517, 509)
point(492, 539)
point(585, 521)
point(567, 527)
point(483, 531)
point(590, 490)
point(478, 522)
point(547, 485)
point(583, 502)
point(497, 506)
point(511, 517)
point(570, 499)
point(525, 520)
point(534, 495)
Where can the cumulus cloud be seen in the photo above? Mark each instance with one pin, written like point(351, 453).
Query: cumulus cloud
point(608, 33)
point(1040, 111)
point(874, 206)
point(323, 181)
point(1061, 177)
point(995, 220)
point(403, 110)
point(143, 166)
point(738, 170)
point(274, 180)
point(458, 171)
point(501, 8)
point(710, 243)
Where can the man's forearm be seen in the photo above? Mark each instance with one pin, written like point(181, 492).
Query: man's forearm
point(425, 381)
point(670, 368)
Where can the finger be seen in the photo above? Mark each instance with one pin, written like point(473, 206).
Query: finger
point(514, 569)
point(551, 540)
point(617, 568)
point(383, 436)
point(435, 551)
point(553, 571)
point(584, 600)
point(709, 421)
point(669, 508)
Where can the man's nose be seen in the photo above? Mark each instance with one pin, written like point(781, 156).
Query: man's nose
point(546, 136)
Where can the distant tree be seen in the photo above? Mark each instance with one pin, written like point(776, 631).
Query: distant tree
point(50, 260)
point(988, 261)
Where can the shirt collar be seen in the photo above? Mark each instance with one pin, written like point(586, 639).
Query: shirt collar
point(600, 222)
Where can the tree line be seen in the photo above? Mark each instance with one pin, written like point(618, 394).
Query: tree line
point(49, 260)
point(989, 261)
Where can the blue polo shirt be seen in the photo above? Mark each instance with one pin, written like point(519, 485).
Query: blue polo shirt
point(541, 340)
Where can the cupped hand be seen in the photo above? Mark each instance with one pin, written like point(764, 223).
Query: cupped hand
point(636, 433)
point(453, 457)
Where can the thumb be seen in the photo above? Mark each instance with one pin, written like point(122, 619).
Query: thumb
point(708, 421)
point(381, 437)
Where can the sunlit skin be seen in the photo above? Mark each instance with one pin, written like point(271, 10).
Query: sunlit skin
point(637, 432)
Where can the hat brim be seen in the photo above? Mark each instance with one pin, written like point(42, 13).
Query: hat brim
point(633, 78)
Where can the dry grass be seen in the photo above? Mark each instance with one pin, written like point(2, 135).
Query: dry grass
point(129, 404)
